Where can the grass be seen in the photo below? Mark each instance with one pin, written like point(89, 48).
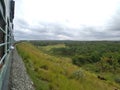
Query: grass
point(47, 49)
point(53, 73)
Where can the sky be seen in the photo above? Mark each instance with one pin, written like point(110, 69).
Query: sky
point(67, 20)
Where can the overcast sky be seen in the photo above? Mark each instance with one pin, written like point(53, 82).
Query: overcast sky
point(67, 20)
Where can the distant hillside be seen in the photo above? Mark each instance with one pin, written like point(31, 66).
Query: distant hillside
point(50, 72)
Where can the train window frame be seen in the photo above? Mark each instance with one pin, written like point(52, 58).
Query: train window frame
point(2, 32)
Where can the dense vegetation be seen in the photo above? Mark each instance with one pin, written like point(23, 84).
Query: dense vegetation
point(72, 65)
point(100, 57)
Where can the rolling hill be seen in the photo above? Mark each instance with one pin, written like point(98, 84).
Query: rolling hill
point(49, 72)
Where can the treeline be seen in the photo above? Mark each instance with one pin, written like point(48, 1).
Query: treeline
point(46, 42)
point(104, 55)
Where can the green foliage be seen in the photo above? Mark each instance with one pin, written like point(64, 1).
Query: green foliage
point(52, 73)
point(80, 60)
point(95, 56)
point(78, 75)
point(64, 51)
point(117, 80)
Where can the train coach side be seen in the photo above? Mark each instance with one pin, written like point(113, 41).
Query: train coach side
point(6, 36)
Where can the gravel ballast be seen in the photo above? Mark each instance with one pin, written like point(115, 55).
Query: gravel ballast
point(19, 79)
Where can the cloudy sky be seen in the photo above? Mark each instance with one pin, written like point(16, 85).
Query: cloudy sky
point(67, 20)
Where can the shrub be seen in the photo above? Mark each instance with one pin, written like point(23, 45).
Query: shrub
point(117, 80)
point(79, 74)
point(44, 67)
point(80, 60)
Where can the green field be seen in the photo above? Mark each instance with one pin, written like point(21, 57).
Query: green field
point(59, 66)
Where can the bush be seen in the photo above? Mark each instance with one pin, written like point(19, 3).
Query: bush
point(80, 60)
point(79, 74)
point(117, 80)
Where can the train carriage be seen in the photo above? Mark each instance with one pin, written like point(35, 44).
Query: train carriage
point(6, 36)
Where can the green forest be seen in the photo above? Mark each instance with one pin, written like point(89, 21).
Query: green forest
point(98, 58)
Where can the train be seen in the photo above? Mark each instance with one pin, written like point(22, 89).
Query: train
point(6, 36)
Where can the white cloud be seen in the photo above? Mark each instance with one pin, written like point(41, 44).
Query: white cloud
point(63, 19)
point(92, 12)
point(63, 37)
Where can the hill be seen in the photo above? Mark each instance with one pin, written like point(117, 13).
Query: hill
point(49, 72)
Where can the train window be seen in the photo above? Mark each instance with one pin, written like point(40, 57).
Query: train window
point(2, 29)
point(2, 22)
point(1, 52)
point(12, 4)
